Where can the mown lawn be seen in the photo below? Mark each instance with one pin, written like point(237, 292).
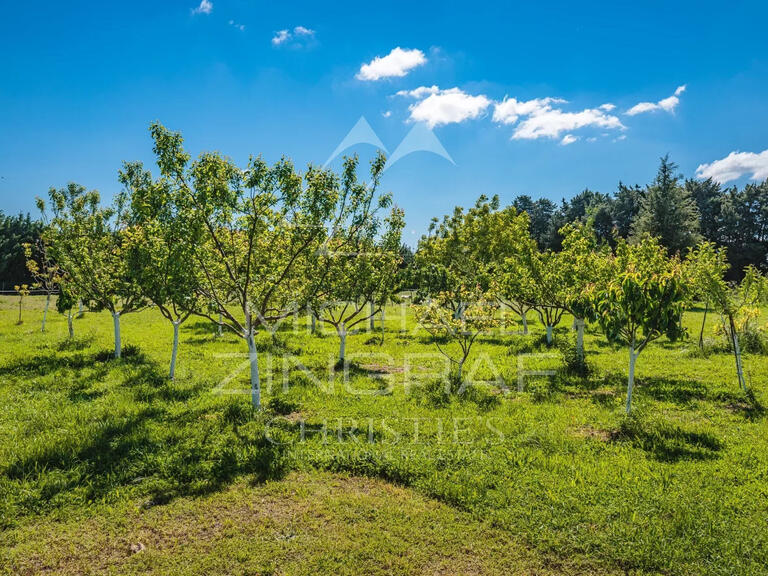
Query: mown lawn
point(377, 471)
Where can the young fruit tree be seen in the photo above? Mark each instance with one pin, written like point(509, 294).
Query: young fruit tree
point(65, 302)
point(359, 260)
point(256, 233)
point(538, 279)
point(643, 300)
point(160, 258)
point(707, 266)
point(45, 272)
point(471, 248)
point(492, 236)
point(87, 243)
point(437, 316)
point(585, 267)
point(23, 292)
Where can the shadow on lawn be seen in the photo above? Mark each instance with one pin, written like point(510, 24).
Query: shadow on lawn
point(143, 435)
point(676, 391)
point(666, 442)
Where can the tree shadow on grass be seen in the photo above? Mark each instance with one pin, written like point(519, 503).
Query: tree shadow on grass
point(667, 442)
point(75, 344)
point(162, 439)
point(682, 392)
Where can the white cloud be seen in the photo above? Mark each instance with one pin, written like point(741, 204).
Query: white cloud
point(541, 119)
point(280, 37)
point(736, 165)
point(666, 104)
point(299, 37)
point(387, 113)
point(607, 107)
point(240, 27)
point(448, 107)
point(509, 110)
point(420, 92)
point(394, 65)
point(551, 122)
point(206, 7)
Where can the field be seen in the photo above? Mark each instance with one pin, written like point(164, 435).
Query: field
point(107, 466)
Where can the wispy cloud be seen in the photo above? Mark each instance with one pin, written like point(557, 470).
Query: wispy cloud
point(205, 7)
point(234, 24)
point(396, 64)
point(441, 107)
point(544, 118)
point(280, 37)
point(299, 37)
point(509, 110)
point(666, 104)
point(736, 165)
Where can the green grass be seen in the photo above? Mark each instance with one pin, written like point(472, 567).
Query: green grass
point(97, 452)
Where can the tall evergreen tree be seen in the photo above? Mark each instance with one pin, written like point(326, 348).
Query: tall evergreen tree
point(709, 199)
point(625, 207)
point(668, 211)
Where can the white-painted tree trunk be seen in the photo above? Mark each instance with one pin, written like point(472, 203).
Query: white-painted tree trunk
point(116, 321)
point(314, 324)
point(253, 358)
point(69, 324)
point(524, 317)
point(580, 338)
point(172, 373)
point(631, 382)
point(549, 334)
point(382, 317)
point(342, 343)
point(372, 319)
point(45, 312)
point(80, 310)
point(221, 321)
point(460, 371)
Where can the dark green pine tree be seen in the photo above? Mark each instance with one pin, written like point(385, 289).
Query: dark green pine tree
point(668, 211)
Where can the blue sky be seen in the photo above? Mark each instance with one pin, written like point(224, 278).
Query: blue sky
point(525, 98)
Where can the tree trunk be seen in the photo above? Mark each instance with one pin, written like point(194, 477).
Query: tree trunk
point(580, 338)
point(221, 321)
point(253, 357)
point(737, 353)
point(80, 311)
point(631, 383)
point(172, 373)
point(524, 317)
point(314, 323)
point(460, 370)
point(116, 321)
point(382, 318)
point(69, 324)
point(20, 320)
point(703, 322)
point(372, 319)
point(549, 335)
point(342, 343)
point(45, 311)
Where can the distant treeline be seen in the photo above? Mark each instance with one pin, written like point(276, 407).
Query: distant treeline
point(14, 232)
point(681, 212)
